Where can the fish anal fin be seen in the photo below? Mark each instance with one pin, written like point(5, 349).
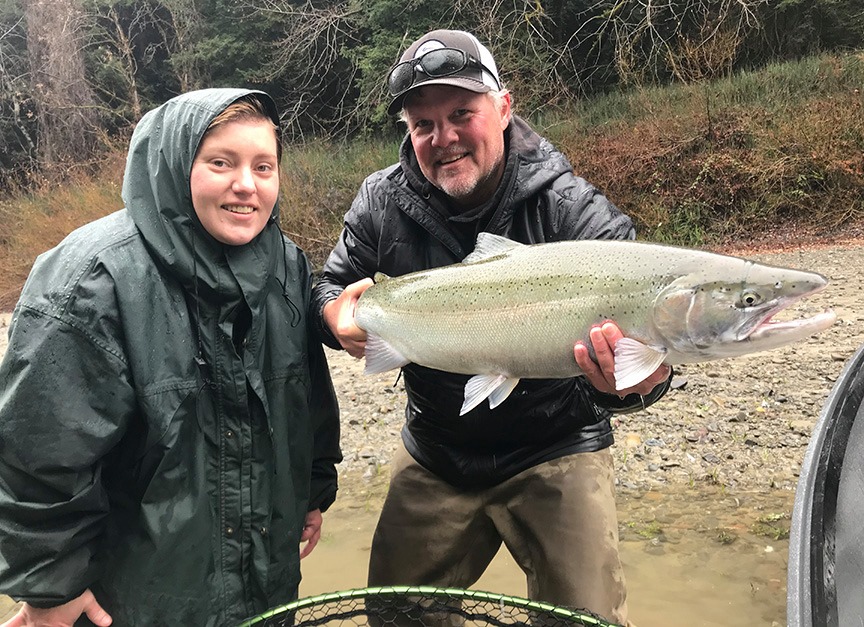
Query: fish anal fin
point(381, 357)
point(494, 387)
point(635, 362)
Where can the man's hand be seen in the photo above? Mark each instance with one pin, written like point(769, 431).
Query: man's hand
point(311, 531)
point(63, 615)
point(339, 317)
point(602, 373)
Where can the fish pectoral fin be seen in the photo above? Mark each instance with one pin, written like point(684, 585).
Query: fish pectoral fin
point(381, 357)
point(635, 361)
point(494, 387)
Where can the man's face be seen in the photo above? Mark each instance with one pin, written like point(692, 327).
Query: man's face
point(458, 137)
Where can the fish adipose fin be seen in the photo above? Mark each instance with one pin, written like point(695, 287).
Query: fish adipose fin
point(635, 362)
point(490, 245)
point(494, 387)
point(381, 357)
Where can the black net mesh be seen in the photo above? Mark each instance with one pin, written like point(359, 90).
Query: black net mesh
point(421, 606)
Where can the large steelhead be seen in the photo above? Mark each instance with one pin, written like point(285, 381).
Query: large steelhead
point(512, 311)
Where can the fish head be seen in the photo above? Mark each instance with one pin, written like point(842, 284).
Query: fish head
point(727, 309)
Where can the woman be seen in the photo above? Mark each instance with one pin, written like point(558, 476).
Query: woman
point(168, 428)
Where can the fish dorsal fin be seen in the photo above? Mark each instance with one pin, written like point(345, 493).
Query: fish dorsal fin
point(495, 387)
point(635, 361)
point(381, 357)
point(380, 277)
point(490, 245)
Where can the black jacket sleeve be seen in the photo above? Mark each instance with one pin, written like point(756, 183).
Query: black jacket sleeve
point(585, 213)
point(631, 402)
point(354, 257)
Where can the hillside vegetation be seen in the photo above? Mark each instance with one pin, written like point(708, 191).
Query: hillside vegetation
point(698, 165)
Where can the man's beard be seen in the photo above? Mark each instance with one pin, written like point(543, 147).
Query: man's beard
point(462, 187)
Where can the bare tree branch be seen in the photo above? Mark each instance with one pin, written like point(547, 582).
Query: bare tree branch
point(67, 111)
point(312, 47)
point(688, 39)
point(16, 115)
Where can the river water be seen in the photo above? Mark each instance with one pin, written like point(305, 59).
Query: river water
point(693, 557)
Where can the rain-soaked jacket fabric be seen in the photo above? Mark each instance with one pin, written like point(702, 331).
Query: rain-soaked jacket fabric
point(400, 223)
point(175, 489)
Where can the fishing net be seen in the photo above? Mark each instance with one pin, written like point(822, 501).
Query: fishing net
point(404, 606)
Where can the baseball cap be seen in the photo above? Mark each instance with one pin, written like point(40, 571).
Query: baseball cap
point(464, 62)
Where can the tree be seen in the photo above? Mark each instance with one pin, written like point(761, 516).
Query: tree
point(115, 56)
point(74, 73)
point(686, 39)
point(17, 115)
point(135, 60)
point(795, 28)
point(308, 57)
point(335, 54)
point(67, 113)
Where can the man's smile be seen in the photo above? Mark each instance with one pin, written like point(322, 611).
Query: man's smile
point(452, 159)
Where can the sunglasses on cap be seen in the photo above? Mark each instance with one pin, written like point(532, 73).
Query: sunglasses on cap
point(434, 64)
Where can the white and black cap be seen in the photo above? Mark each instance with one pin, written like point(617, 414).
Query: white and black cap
point(476, 72)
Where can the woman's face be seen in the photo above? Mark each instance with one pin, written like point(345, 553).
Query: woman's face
point(235, 180)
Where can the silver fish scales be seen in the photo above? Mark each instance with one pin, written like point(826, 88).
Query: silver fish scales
point(512, 311)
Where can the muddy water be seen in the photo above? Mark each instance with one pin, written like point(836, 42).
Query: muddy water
point(695, 558)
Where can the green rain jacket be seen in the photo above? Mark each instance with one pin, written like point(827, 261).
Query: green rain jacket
point(166, 417)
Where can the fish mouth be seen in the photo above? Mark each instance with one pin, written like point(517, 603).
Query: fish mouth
point(791, 330)
point(779, 332)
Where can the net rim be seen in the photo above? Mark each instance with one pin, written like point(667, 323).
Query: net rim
point(431, 591)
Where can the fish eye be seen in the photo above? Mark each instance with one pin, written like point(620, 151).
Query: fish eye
point(750, 298)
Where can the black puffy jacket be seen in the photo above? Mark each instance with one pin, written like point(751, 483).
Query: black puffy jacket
point(399, 223)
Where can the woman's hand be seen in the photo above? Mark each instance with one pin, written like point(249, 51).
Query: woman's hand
point(311, 531)
point(62, 615)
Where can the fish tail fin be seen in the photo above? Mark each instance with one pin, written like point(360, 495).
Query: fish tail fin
point(381, 357)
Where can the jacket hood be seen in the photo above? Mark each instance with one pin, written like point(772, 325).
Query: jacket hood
point(157, 194)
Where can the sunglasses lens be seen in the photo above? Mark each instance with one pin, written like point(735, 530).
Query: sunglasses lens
point(434, 64)
point(442, 62)
point(401, 78)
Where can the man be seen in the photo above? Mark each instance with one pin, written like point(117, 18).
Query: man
point(536, 472)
